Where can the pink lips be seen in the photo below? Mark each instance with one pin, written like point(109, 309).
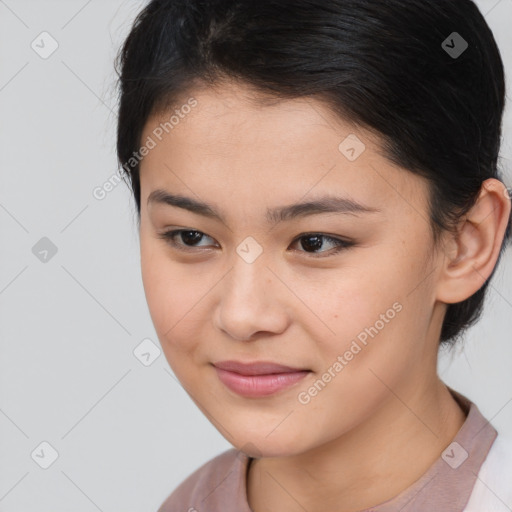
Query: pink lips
point(257, 379)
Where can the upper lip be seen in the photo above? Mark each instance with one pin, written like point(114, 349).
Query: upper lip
point(256, 368)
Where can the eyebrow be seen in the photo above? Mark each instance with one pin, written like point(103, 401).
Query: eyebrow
point(325, 204)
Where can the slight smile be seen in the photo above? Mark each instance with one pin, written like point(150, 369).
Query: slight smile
point(257, 379)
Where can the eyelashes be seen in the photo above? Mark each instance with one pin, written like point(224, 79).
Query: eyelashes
point(313, 241)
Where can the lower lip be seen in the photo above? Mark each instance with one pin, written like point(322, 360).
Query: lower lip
point(259, 385)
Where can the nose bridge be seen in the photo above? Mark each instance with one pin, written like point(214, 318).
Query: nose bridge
point(247, 303)
point(249, 273)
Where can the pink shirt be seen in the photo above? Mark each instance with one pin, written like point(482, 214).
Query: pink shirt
point(219, 485)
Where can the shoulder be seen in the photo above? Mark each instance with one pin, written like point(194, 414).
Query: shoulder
point(493, 487)
point(224, 471)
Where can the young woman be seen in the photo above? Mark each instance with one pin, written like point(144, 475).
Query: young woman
point(320, 208)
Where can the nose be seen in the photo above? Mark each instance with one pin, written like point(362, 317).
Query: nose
point(251, 302)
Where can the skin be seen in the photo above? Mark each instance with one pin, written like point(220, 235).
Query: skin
point(386, 417)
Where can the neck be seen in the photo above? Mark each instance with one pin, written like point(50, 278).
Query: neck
point(367, 466)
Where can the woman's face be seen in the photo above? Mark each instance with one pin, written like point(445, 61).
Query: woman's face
point(251, 286)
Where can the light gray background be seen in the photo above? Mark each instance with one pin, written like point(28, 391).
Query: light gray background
point(126, 434)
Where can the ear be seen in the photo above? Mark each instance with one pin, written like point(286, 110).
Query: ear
point(471, 254)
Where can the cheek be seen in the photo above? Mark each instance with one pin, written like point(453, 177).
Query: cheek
point(173, 296)
point(354, 297)
point(376, 304)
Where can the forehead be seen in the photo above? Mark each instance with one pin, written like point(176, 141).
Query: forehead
point(232, 112)
point(230, 144)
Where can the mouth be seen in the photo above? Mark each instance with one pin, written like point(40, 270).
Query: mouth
point(258, 379)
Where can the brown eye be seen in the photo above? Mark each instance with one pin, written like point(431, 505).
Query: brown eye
point(311, 242)
point(189, 238)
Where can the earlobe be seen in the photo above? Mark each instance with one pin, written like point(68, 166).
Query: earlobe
point(474, 250)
